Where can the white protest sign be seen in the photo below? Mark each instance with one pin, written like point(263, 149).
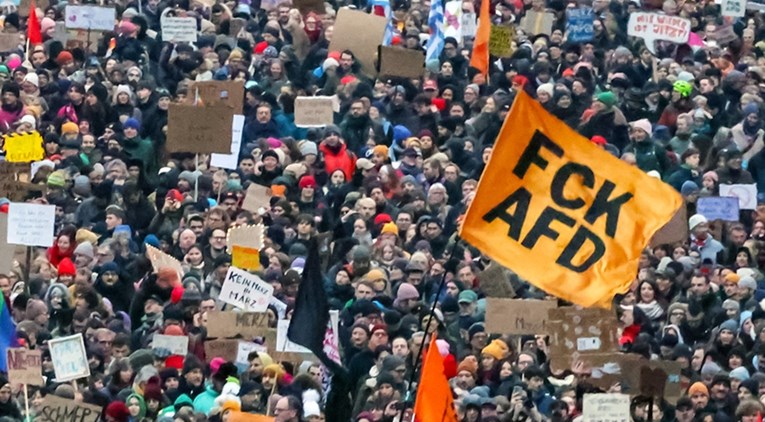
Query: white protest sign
point(314, 111)
point(281, 307)
point(746, 194)
point(231, 161)
point(283, 344)
point(31, 224)
point(176, 29)
point(246, 291)
point(177, 345)
point(245, 348)
point(734, 8)
point(94, 18)
point(653, 27)
point(606, 407)
point(69, 359)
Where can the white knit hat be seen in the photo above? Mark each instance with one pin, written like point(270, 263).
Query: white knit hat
point(695, 220)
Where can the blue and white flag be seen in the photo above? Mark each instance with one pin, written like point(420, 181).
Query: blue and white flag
point(436, 23)
point(382, 8)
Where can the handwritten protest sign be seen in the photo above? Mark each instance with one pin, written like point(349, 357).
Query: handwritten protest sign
point(283, 344)
point(734, 8)
point(257, 197)
point(89, 17)
point(177, 345)
point(653, 27)
point(313, 111)
point(231, 161)
point(401, 62)
point(161, 260)
point(25, 366)
point(500, 41)
point(23, 147)
point(222, 324)
point(718, 208)
point(69, 359)
point(361, 33)
point(537, 22)
point(57, 409)
point(224, 348)
point(31, 224)
point(218, 93)
point(746, 194)
point(250, 236)
point(176, 29)
point(579, 24)
point(581, 331)
point(244, 348)
point(198, 129)
point(517, 316)
point(606, 407)
point(9, 42)
point(245, 290)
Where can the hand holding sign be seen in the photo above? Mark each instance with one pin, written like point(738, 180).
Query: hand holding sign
point(652, 27)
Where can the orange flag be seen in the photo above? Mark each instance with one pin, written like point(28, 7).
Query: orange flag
point(434, 401)
point(480, 57)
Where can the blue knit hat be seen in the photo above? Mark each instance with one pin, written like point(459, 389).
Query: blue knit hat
point(132, 123)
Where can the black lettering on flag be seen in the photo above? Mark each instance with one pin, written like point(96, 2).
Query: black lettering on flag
point(531, 154)
point(521, 199)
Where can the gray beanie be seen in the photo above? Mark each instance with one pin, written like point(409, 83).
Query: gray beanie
point(748, 282)
point(81, 185)
point(189, 176)
point(85, 248)
point(307, 148)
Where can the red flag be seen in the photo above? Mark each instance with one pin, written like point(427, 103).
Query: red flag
point(434, 401)
point(480, 57)
point(33, 26)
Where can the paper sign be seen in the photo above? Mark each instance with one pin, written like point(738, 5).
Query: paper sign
point(31, 224)
point(517, 316)
point(198, 129)
point(281, 307)
point(89, 17)
point(23, 148)
point(579, 24)
point(585, 331)
point(313, 111)
point(734, 8)
point(245, 258)
point(245, 290)
point(469, 23)
point(500, 41)
point(25, 366)
point(217, 93)
point(228, 324)
point(653, 27)
point(283, 344)
point(257, 197)
point(57, 409)
point(606, 407)
point(175, 29)
point(80, 38)
point(69, 359)
point(9, 42)
point(676, 230)
point(249, 236)
point(360, 33)
point(231, 161)
point(177, 345)
point(746, 194)
point(537, 23)
point(161, 260)
point(718, 208)
point(453, 20)
point(247, 347)
point(248, 417)
point(14, 183)
point(401, 62)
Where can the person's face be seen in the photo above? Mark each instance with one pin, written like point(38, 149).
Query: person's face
point(194, 377)
point(699, 286)
point(75, 95)
point(726, 337)
point(346, 61)
point(465, 380)
point(697, 360)
point(358, 337)
point(357, 109)
point(364, 292)
point(134, 407)
point(400, 347)
point(378, 338)
point(5, 286)
point(63, 243)
point(218, 239)
point(263, 114)
point(646, 293)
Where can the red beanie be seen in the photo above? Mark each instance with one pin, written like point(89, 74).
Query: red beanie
point(383, 218)
point(176, 294)
point(307, 181)
point(260, 47)
point(118, 411)
point(520, 80)
point(66, 267)
point(598, 140)
point(334, 55)
point(440, 103)
point(345, 80)
point(174, 361)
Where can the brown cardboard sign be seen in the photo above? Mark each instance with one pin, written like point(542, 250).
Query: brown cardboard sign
point(224, 348)
point(201, 130)
point(652, 381)
point(222, 324)
point(314, 111)
point(257, 196)
point(25, 366)
point(676, 230)
point(496, 283)
point(10, 42)
point(25, 4)
point(576, 331)
point(401, 62)
point(8, 252)
point(305, 6)
point(517, 316)
point(160, 260)
point(360, 33)
point(56, 409)
point(535, 23)
point(656, 378)
point(216, 93)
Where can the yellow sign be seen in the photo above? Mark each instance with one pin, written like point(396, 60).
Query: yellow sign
point(565, 215)
point(500, 41)
point(245, 258)
point(23, 147)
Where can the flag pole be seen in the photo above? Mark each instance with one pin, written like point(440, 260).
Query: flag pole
point(417, 361)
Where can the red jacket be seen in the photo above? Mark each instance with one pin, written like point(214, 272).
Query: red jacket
point(338, 158)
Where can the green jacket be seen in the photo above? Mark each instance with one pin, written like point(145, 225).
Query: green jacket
point(205, 402)
point(143, 150)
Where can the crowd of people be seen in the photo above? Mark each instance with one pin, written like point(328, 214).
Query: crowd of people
point(381, 194)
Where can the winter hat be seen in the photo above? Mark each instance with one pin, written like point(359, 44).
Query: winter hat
point(547, 88)
point(81, 185)
point(307, 181)
point(391, 228)
point(141, 358)
point(311, 408)
point(407, 292)
point(468, 365)
point(497, 349)
point(35, 308)
point(69, 128)
point(308, 148)
point(66, 267)
point(28, 119)
point(748, 282)
point(329, 62)
point(695, 220)
point(56, 180)
point(117, 411)
point(712, 175)
point(689, 187)
point(607, 98)
point(698, 388)
point(642, 124)
point(740, 373)
point(731, 304)
point(33, 79)
point(730, 325)
point(380, 150)
point(84, 248)
point(132, 123)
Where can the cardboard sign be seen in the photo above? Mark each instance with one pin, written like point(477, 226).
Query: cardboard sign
point(676, 230)
point(653, 27)
point(9, 42)
point(535, 23)
point(81, 38)
point(14, 182)
point(517, 316)
point(283, 344)
point(7, 250)
point(23, 147)
point(57, 409)
point(228, 324)
point(360, 33)
point(246, 291)
point(314, 111)
point(225, 349)
point(723, 34)
point(25, 4)
point(606, 407)
point(249, 236)
point(198, 129)
point(177, 345)
point(25, 366)
point(257, 197)
point(579, 24)
point(500, 41)
point(89, 17)
point(582, 331)
point(175, 29)
point(495, 282)
point(401, 62)
point(217, 93)
point(31, 224)
point(718, 208)
point(734, 8)
point(161, 260)
point(69, 359)
point(306, 6)
point(231, 161)
point(245, 258)
point(746, 194)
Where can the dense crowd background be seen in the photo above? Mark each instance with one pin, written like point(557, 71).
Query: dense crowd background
point(384, 189)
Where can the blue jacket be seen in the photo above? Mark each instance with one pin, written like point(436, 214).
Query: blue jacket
point(205, 402)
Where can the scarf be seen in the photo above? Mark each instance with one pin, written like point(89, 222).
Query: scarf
point(652, 310)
